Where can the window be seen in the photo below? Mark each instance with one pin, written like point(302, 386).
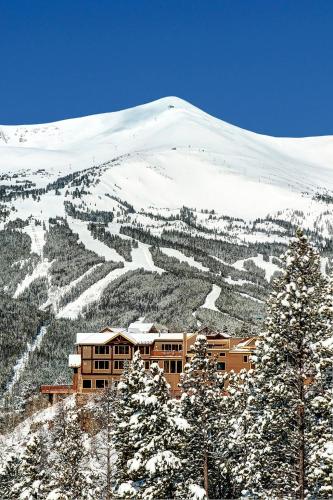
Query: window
point(245, 359)
point(121, 349)
point(173, 366)
point(86, 384)
point(171, 347)
point(144, 349)
point(101, 365)
point(101, 384)
point(119, 364)
point(102, 349)
point(222, 353)
point(221, 366)
point(147, 365)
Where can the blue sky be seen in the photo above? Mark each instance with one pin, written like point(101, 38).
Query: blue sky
point(265, 65)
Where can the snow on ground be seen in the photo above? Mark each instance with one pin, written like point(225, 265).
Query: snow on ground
point(212, 298)
point(167, 153)
point(95, 245)
point(22, 362)
point(16, 440)
point(194, 314)
point(92, 294)
point(250, 297)
point(141, 258)
point(236, 282)
point(56, 293)
point(259, 261)
point(37, 235)
point(171, 252)
point(323, 263)
point(40, 271)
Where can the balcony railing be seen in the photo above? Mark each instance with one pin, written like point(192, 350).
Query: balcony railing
point(56, 389)
point(169, 354)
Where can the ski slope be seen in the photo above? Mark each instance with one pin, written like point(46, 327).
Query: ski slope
point(169, 153)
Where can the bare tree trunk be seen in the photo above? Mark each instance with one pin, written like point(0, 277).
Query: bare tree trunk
point(301, 448)
point(301, 471)
point(108, 455)
point(206, 473)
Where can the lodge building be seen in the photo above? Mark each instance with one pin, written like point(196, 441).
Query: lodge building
point(99, 357)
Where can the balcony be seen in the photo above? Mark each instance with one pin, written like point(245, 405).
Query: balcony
point(167, 354)
point(56, 389)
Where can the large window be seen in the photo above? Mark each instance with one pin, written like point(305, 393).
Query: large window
point(221, 366)
point(119, 364)
point(172, 366)
point(102, 349)
point(171, 347)
point(147, 364)
point(86, 384)
point(144, 349)
point(121, 349)
point(101, 384)
point(101, 365)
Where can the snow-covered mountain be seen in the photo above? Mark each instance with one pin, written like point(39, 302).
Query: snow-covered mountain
point(170, 154)
point(160, 211)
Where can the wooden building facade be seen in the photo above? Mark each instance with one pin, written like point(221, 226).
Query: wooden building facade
point(99, 357)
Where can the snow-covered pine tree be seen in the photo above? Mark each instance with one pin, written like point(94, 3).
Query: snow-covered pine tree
point(32, 470)
point(159, 436)
point(104, 414)
point(319, 407)
point(283, 361)
point(232, 439)
point(9, 478)
point(133, 381)
point(200, 403)
point(71, 477)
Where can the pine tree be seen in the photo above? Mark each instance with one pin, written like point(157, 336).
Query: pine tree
point(319, 407)
point(32, 471)
point(159, 435)
point(200, 405)
point(232, 439)
point(9, 478)
point(283, 361)
point(71, 478)
point(133, 381)
point(104, 418)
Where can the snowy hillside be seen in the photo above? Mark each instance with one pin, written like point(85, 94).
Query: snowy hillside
point(160, 211)
point(170, 154)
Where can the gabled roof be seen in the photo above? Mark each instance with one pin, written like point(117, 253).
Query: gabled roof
point(209, 332)
point(101, 337)
point(112, 329)
point(246, 345)
point(137, 338)
point(139, 327)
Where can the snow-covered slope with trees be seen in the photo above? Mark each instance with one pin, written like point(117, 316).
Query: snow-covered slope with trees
point(143, 212)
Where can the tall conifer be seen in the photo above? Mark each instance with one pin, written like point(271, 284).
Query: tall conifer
point(283, 362)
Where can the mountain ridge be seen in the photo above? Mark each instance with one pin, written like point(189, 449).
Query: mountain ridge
point(159, 211)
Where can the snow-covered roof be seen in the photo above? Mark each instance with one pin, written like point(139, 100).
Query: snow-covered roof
point(149, 338)
point(244, 346)
point(137, 338)
point(91, 338)
point(113, 329)
point(74, 360)
point(138, 326)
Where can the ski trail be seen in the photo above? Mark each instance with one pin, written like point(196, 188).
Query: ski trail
point(22, 362)
point(212, 298)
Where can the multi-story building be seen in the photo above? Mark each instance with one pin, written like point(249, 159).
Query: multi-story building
point(99, 357)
